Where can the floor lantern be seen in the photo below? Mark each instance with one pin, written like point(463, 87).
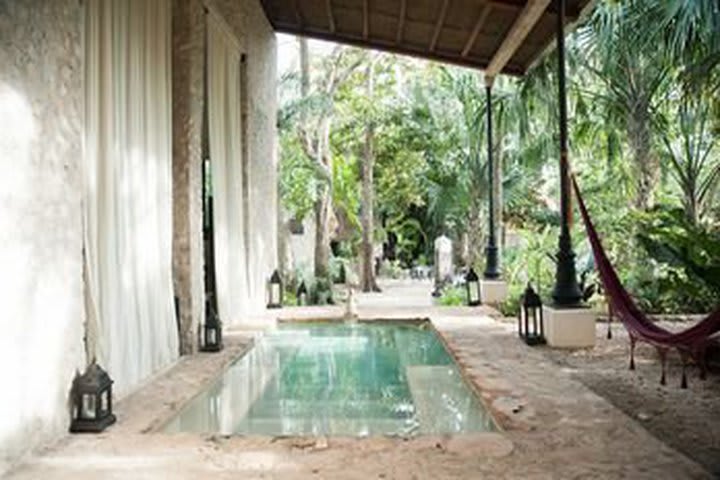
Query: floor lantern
point(302, 294)
point(276, 291)
point(92, 401)
point(472, 284)
point(212, 330)
point(530, 318)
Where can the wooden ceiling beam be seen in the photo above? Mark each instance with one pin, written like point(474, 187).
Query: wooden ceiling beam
point(521, 27)
point(331, 17)
point(476, 30)
point(439, 24)
point(366, 19)
point(571, 14)
point(389, 46)
point(298, 13)
point(401, 21)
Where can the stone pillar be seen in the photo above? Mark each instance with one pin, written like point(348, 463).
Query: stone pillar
point(187, 93)
point(443, 260)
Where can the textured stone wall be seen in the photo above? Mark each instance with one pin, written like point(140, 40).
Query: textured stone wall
point(254, 33)
point(257, 38)
point(41, 240)
point(187, 92)
point(41, 290)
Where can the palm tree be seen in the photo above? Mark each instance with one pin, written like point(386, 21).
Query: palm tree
point(689, 146)
point(618, 48)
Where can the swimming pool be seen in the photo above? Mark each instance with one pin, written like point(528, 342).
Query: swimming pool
point(353, 379)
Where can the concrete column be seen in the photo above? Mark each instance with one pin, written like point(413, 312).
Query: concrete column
point(187, 94)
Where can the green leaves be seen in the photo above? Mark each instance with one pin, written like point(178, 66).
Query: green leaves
point(669, 237)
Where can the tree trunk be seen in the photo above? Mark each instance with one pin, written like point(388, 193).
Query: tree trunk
point(645, 160)
point(475, 233)
point(322, 237)
point(323, 205)
point(367, 277)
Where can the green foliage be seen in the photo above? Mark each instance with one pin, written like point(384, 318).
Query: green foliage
point(453, 296)
point(298, 178)
point(644, 108)
point(686, 259)
point(321, 292)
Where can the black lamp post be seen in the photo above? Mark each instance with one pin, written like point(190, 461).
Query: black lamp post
point(472, 285)
point(302, 294)
point(492, 270)
point(530, 318)
point(566, 292)
point(212, 330)
point(276, 291)
point(92, 401)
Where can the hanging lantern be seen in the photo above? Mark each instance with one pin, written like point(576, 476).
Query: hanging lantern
point(302, 294)
point(92, 401)
point(472, 284)
point(212, 330)
point(276, 291)
point(530, 318)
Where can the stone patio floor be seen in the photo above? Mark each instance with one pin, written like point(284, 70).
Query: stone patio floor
point(553, 426)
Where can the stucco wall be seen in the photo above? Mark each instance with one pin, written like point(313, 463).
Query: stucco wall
point(41, 279)
point(257, 41)
point(257, 38)
point(41, 290)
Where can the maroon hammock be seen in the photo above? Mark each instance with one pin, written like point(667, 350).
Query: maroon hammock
point(692, 342)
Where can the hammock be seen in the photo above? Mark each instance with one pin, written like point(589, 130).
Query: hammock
point(690, 343)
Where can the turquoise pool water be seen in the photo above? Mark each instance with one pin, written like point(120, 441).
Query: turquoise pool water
point(339, 379)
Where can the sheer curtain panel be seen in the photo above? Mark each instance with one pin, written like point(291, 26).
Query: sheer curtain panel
point(224, 111)
point(128, 188)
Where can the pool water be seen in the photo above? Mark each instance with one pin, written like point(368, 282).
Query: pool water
point(339, 379)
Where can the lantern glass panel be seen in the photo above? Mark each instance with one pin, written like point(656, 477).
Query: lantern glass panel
point(211, 336)
point(474, 289)
point(105, 401)
point(88, 406)
point(275, 293)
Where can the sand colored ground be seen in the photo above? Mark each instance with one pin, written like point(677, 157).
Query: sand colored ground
point(564, 415)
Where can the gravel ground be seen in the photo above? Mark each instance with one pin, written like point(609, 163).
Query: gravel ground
point(685, 419)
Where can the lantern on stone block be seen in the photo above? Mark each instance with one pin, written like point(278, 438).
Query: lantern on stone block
point(212, 330)
point(472, 284)
point(92, 401)
point(302, 294)
point(530, 318)
point(276, 291)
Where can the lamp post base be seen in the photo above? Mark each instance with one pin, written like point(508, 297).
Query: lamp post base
point(569, 327)
point(493, 292)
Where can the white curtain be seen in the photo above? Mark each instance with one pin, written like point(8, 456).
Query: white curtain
point(128, 188)
point(224, 111)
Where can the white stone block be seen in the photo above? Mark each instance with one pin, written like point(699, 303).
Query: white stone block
point(493, 292)
point(569, 327)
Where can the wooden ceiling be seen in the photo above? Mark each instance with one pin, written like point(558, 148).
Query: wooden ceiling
point(499, 36)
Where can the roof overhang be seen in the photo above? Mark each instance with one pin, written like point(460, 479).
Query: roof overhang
point(499, 36)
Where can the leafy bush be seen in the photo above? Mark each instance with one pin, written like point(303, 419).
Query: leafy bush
point(685, 261)
point(453, 296)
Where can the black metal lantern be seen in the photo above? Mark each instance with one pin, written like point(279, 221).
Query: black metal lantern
point(92, 401)
point(472, 285)
point(276, 291)
point(530, 318)
point(212, 330)
point(302, 294)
